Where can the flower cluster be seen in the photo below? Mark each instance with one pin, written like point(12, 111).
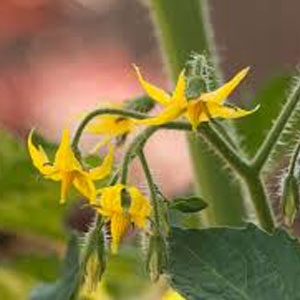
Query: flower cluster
point(118, 203)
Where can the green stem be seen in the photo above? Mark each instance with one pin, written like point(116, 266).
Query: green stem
point(221, 146)
point(95, 228)
point(99, 112)
point(134, 148)
point(152, 188)
point(224, 149)
point(223, 131)
point(261, 204)
point(270, 142)
point(181, 30)
point(88, 247)
point(210, 134)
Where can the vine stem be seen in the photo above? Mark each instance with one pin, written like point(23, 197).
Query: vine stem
point(135, 147)
point(224, 149)
point(95, 228)
point(221, 146)
point(99, 112)
point(252, 180)
point(264, 212)
point(269, 143)
point(152, 188)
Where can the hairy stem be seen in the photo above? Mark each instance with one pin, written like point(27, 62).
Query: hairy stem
point(99, 112)
point(270, 142)
point(264, 213)
point(221, 146)
point(206, 130)
point(152, 188)
point(88, 246)
point(224, 149)
point(134, 148)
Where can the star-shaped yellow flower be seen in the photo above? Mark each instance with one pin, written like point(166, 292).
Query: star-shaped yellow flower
point(121, 211)
point(207, 106)
point(110, 127)
point(67, 169)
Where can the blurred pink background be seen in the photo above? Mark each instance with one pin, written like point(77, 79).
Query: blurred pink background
point(59, 58)
point(62, 58)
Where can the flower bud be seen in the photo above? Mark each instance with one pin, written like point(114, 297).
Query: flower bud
point(290, 200)
point(195, 87)
point(95, 265)
point(157, 257)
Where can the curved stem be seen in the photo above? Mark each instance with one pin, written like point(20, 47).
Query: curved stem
point(222, 147)
point(215, 139)
point(269, 143)
point(152, 188)
point(99, 112)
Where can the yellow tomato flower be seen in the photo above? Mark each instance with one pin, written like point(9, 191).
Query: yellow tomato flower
point(110, 127)
point(119, 214)
point(172, 295)
point(207, 106)
point(67, 169)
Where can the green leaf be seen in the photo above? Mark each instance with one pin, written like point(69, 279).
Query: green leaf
point(188, 205)
point(66, 287)
point(235, 264)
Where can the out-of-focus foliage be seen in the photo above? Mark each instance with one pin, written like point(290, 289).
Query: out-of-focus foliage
point(125, 275)
point(66, 287)
point(18, 274)
point(30, 222)
point(28, 202)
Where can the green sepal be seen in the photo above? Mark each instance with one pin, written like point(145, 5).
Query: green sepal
point(200, 74)
point(188, 204)
point(125, 200)
point(141, 104)
point(195, 87)
point(96, 262)
point(290, 200)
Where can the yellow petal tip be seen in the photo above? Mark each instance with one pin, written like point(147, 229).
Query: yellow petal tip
point(62, 201)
